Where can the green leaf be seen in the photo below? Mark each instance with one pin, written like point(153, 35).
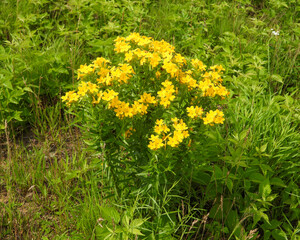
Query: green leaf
point(277, 182)
point(109, 213)
point(265, 168)
point(135, 231)
point(5, 78)
point(265, 189)
point(264, 216)
point(233, 223)
point(218, 172)
point(272, 225)
point(247, 184)
point(277, 78)
point(109, 229)
point(270, 198)
point(201, 177)
point(27, 89)
point(6, 83)
point(102, 232)
point(267, 234)
point(125, 221)
point(232, 219)
point(136, 223)
point(258, 214)
point(257, 177)
point(263, 147)
point(17, 116)
point(278, 234)
point(229, 184)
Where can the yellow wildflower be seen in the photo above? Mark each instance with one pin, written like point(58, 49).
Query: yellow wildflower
point(121, 46)
point(147, 98)
point(109, 95)
point(84, 70)
point(155, 142)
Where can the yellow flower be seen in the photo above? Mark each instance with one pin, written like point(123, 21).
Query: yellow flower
point(214, 117)
point(134, 37)
point(179, 59)
point(84, 70)
point(100, 62)
point(189, 81)
point(73, 98)
point(109, 95)
point(222, 91)
point(199, 111)
point(180, 126)
point(179, 134)
point(174, 120)
point(154, 60)
point(173, 142)
point(161, 127)
point(166, 94)
point(144, 41)
point(155, 142)
point(191, 112)
point(198, 65)
point(121, 46)
point(139, 53)
point(204, 85)
point(70, 97)
point(128, 111)
point(219, 119)
point(103, 72)
point(129, 56)
point(139, 108)
point(147, 98)
point(126, 68)
point(170, 68)
point(82, 89)
point(209, 117)
point(93, 88)
point(219, 68)
point(99, 95)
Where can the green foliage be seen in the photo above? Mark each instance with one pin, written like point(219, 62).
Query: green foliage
point(241, 180)
point(117, 226)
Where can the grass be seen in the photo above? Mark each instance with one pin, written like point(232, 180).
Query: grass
point(244, 183)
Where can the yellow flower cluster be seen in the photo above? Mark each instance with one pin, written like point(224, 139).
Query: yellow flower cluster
point(123, 109)
point(198, 65)
point(85, 70)
point(211, 83)
point(120, 74)
point(194, 112)
point(214, 117)
point(167, 74)
point(166, 93)
point(70, 97)
point(179, 134)
point(85, 87)
point(161, 129)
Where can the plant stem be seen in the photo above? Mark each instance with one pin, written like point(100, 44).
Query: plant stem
point(8, 146)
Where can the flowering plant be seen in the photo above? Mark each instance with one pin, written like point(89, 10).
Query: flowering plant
point(152, 103)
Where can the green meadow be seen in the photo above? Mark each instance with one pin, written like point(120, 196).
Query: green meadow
point(77, 171)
